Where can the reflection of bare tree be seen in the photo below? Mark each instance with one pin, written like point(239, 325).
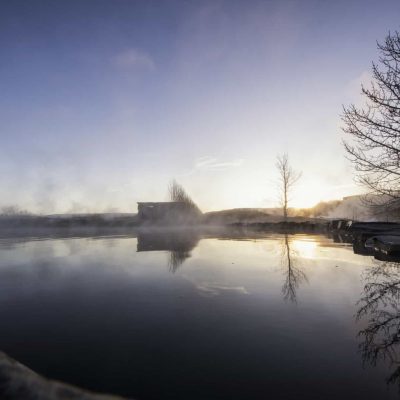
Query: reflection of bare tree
point(294, 276)
point(380, 307)
point(177, 258)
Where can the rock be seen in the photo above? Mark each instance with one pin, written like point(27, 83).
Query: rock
point(19, 382)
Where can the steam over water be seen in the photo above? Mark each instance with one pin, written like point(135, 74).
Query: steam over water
point(184, 317)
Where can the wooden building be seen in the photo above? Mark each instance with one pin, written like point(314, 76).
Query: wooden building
point(171, 212)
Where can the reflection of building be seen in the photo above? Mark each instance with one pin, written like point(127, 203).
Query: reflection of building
point(168, 211)
point(179, 244)
point(167, 240)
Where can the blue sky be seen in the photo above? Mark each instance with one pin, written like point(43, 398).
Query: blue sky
point(104, 102)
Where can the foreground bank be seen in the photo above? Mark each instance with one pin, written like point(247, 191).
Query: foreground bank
point(18, 382)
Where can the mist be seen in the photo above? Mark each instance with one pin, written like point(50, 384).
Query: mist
point(199, 199)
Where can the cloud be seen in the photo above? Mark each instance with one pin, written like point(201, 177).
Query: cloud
point(208, 163)
point(132, 58)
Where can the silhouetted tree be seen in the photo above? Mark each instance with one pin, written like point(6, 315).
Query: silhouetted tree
point(374, 130)
point(287, 178)
point(178, 193)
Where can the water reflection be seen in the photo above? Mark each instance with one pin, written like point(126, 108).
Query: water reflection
point(219, 325)
point(379, 307)
point(177, 258)
point(178, 243)
point(294, 275)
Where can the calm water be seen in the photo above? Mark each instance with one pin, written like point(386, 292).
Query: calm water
point(184, 317)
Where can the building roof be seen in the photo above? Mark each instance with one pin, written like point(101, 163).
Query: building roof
point(150, 203)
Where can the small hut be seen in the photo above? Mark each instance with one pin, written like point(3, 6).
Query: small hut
point(168, 212)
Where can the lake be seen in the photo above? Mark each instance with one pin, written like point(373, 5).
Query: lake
point(184, 315)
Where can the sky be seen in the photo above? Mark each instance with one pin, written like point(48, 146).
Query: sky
point(104, 102)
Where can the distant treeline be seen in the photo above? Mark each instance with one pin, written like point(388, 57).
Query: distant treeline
point(65, 221)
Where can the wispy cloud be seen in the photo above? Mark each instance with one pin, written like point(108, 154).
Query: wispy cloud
point(133, 58)
point(208, 163)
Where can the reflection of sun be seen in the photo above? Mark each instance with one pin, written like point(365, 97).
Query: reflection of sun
point(304, 248)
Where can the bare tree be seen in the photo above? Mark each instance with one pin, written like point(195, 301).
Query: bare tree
point(374, 130)
point(178, 193)
point(287, 179)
